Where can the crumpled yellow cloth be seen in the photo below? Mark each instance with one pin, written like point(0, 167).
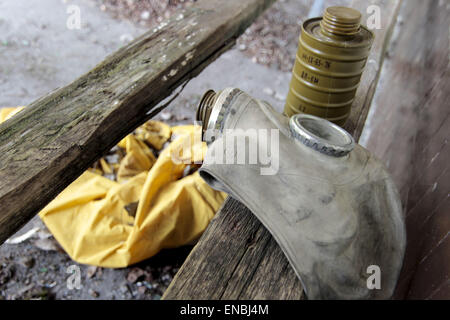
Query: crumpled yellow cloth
point(6, 113)
point(152, 205)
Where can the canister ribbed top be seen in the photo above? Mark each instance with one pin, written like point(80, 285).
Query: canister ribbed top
point(340, 21)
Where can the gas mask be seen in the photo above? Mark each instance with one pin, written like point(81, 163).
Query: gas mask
point(330, 205)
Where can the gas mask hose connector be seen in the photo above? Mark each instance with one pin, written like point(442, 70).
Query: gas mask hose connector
point(204, 109)
point(205, 106)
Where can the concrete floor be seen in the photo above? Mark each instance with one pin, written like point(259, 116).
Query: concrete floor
point(40, 53)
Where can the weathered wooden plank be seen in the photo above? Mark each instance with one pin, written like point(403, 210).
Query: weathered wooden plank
point(50, 143)
point(363, 100)
point(410, 132)
point(213, 268)
point(237, 258)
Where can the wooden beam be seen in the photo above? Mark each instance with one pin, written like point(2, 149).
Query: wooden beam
point(410, 134)
point(237, 258)
point(51, 142)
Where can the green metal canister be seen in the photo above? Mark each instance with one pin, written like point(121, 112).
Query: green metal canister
point(331, 57)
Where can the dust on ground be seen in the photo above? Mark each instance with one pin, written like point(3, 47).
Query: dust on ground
point(39, 269)
point(270, 41)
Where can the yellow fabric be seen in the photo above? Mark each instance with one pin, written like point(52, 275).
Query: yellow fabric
point(139, 158)
point(6, 113)
point(152, 206)
point(155, 133)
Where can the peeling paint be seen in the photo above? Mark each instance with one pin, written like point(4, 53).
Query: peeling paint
point(190, 55)
point(162, 59)
point(161, 25)
point(24, 133)
point(173, 72)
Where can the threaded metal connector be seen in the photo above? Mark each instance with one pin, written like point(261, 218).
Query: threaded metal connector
point(204, 108)
point(340, 21)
